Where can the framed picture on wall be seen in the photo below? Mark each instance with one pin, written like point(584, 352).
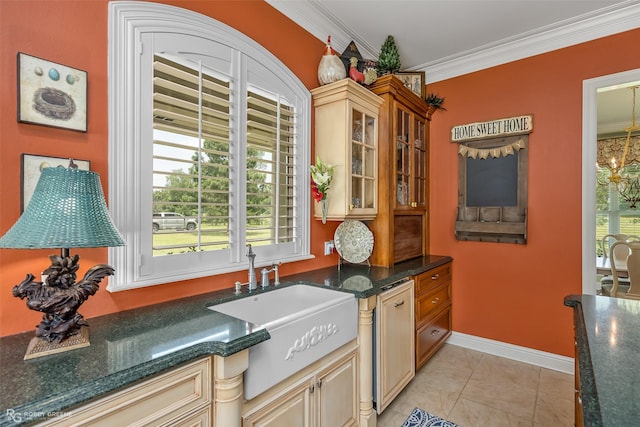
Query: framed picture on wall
point(413, 80)
point(51, 94)
point(32, 166)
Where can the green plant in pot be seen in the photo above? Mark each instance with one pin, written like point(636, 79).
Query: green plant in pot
point(434, 103)
point(389, 60)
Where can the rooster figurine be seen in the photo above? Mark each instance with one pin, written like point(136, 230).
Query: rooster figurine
point(59, 297)
point(369, 76)
point(331, 69)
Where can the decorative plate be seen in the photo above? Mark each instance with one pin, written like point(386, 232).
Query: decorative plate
point(353, 241)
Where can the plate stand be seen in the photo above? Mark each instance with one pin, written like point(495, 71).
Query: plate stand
point(342, 261)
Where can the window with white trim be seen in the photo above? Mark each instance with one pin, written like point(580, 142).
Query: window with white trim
point(208, 148)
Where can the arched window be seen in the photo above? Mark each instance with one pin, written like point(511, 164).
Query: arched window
point(208, 148)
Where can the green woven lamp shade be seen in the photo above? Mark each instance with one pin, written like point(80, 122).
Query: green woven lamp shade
point(67, 210)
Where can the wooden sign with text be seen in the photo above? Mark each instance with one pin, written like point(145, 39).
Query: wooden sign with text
point(492, 129)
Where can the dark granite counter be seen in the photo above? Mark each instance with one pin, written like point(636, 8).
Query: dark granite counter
point(132, 345)
point(608, 338)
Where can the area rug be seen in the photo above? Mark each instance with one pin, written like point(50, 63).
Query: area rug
point(421, 418)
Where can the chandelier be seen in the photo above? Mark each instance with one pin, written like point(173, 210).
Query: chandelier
point(628, 185)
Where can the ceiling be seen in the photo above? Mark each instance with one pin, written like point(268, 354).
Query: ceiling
point(447, 38)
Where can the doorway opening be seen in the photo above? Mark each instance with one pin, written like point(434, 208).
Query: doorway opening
point(589, 169)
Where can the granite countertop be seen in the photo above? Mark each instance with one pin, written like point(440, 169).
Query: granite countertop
point(608, 339)
point(131, 345)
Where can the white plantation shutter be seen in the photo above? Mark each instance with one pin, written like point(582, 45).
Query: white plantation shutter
point(191, 125)
point(208, 124)
point(270, 170)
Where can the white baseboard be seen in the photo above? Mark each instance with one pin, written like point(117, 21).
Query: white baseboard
point(514, 352)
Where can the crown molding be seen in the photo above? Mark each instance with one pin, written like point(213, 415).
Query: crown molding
point(320, 22)
point(615, 19)
point(604, 24)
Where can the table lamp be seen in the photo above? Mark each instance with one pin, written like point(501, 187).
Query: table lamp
point(67, 210)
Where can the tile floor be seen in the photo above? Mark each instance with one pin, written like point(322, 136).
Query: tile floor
point(476, 389)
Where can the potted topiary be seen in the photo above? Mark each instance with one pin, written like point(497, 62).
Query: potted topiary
point(389, 60)
point(434, 102)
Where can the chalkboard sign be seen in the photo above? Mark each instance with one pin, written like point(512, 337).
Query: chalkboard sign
point(492, 181)
point(492, 192)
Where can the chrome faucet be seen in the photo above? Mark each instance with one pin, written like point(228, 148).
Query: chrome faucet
point(264, 282)
point(253, 282)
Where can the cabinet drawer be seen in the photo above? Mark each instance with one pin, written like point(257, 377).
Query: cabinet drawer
point(431, 336)
point(159, 400)
point(430, 303)
point(433, 278)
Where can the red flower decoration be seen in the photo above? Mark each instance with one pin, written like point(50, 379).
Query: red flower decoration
point(317, 194)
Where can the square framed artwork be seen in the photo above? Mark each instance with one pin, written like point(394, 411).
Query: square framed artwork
point(51, 94)
point(413, 80)
point(32, 166)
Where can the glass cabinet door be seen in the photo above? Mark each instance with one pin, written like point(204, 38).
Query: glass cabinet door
point(403, 158)
point(419, 165)
point(363, 161)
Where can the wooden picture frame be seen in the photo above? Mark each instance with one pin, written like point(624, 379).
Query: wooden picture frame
point(413, 80)
point(51, 94)
point(32, 166)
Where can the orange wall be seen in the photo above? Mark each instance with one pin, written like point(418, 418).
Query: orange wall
point(74, 33)
point(505, 292)
point(514, 293)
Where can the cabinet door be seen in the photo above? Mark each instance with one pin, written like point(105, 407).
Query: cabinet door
point(403, 157)
point(346, 136)
point(201, 418)
point(364, 160)
point(419, 164)
point(338, 398)
point(163, 399)
point(291, 409)
point(395, 358)
point(411, 160)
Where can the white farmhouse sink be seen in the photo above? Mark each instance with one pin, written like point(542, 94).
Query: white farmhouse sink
point(305, 323)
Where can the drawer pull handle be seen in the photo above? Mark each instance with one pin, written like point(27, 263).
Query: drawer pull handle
point(398, 304)
point(435, 332)
point(435, 276)
point(435, 301)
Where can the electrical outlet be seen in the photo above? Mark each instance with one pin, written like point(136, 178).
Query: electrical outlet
point(328, 247)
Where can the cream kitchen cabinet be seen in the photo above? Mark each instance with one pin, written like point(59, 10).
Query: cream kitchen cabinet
point(325, 394)
point(395, 362)
point(206, 392)
point(182, 396)
point(346, 136)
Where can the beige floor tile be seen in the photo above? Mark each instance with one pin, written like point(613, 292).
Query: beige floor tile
point(456, 357)
point(435, 398)
point(509, 370)
point(472, 414)
point(554, 403)
point(476, 389)
point(504, 384)
point(392, 418)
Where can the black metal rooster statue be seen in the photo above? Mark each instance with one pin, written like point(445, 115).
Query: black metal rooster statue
point(60, 297)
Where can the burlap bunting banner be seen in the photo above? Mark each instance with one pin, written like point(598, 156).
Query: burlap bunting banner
point(495, 152)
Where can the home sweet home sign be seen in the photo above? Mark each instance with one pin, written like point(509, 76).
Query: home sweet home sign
point(492, 179)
